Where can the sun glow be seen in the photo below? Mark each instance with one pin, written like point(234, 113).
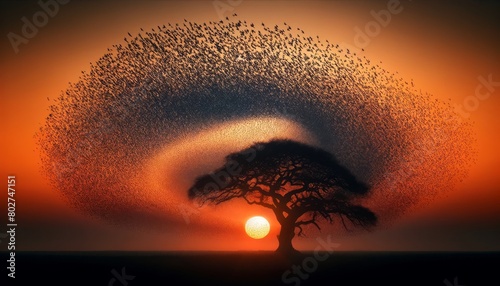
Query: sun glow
point(257, 227)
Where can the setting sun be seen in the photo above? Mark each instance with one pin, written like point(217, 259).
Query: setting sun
point(257, 227)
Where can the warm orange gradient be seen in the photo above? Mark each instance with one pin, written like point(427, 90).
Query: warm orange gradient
point(444, 47)
point(177, 166)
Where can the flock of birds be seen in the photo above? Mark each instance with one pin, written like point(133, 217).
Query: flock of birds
point(162, 84)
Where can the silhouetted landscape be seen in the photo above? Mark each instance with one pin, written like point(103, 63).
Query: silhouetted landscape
point(301, 184)
point(256, 268)
point(283, 141)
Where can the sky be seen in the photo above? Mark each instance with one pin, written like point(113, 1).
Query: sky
point(449, 49)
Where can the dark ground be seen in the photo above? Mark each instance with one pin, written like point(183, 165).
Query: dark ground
point(253, 268)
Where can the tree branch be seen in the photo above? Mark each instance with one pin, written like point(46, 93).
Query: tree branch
point(259, 203)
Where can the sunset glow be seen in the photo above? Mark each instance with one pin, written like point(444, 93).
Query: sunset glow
point(250, 142)
point(257, 227)
point(149, 179)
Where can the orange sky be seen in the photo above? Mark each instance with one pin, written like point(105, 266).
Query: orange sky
point(443, 47)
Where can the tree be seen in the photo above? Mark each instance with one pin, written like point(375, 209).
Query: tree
point(300, 183)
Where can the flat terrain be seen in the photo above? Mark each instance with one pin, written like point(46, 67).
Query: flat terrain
point(254, 268)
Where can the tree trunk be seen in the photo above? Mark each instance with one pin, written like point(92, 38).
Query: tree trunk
point(285, 237)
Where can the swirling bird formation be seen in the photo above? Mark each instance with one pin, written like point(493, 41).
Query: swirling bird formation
point(164, 83)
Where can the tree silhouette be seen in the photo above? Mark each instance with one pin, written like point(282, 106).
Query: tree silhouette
point(300, 183)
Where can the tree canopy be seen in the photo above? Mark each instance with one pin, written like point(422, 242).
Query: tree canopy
point(300, 183)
